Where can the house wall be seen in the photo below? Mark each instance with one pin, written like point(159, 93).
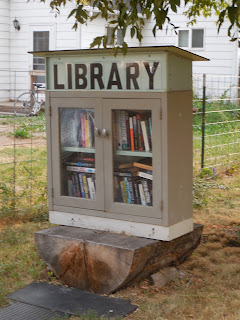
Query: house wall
point(222, 69)
point(37, 16)
point(4, 48)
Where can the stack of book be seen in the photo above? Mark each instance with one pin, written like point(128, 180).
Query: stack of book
point(133, 183)
point(132, 130)
point(77, 128)
point(81, 178)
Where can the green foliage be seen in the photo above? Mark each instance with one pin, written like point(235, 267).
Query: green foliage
point(125, 14)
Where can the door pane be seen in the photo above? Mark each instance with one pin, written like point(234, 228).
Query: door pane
point(132, 160)
point(77, 148)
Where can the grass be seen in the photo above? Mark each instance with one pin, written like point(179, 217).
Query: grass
point(210, 288)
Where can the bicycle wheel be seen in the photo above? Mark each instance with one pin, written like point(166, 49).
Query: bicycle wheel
point(24, 104)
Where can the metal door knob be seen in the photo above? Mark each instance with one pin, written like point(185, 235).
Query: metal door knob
point(97, 131)
point(105, 132)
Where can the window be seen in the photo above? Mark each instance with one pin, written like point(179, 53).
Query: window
point(191, 38)
point(119, 36)
point(40, 43)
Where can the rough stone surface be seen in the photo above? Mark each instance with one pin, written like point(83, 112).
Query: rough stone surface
point(104, 262)
point(164, 276)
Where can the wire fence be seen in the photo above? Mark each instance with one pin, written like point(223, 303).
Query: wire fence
point(23, 182)
point(216, 122)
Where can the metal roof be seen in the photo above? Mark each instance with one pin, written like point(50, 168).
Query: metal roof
point(131, 50)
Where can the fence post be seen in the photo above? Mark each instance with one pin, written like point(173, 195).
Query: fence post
point(203, 120)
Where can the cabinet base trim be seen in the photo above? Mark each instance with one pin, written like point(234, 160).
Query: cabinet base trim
point(127, 227)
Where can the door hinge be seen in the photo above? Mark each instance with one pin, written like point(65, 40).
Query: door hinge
point(50, 111)
point(52, 191)
point(160, 114)
point(161, 208)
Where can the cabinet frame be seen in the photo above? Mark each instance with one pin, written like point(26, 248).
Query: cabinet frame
point(105, 205)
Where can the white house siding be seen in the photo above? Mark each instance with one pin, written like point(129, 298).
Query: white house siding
point(222, 69)
point(37, 16)
point(4, 49)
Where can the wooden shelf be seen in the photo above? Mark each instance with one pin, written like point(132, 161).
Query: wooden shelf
point(78, 149)
point(133, 153)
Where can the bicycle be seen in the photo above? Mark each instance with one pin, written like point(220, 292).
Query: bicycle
point(27, 103)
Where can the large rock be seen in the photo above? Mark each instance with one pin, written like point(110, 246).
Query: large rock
point(104, 262)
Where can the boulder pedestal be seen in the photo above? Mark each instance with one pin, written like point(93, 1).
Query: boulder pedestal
point(103, 262)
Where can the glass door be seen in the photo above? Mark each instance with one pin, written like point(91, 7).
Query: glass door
point(134, 168)
point(77, 149)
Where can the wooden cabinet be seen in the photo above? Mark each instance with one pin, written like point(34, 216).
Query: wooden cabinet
point(119, 136)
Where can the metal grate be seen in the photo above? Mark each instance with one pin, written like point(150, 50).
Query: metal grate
point(23, 311)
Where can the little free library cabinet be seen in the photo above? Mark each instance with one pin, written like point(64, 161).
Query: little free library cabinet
point(119, 139)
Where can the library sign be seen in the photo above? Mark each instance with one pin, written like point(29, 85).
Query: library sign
point(77, 74)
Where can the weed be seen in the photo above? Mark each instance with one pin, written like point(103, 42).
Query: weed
point(22, 133)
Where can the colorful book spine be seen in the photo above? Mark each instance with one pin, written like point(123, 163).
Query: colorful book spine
point(80, 169)
point(135, 132)
point(123, 191)
point(85, 186)
point(127, 190)
point(131, 133)
point(79, 164)
point(80, 177)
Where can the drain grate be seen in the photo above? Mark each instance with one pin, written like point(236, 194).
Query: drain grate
point(23, 311)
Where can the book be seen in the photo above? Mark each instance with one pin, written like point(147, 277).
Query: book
point(142, 195)
point(140, 137)
point(91, 188)
point(123, 191)
point(142, 166)
point(123, 174)
point(80, 177)
point(76, 185)
point(146, 193)
point(145, 175)
point(125, 165)
point(127, 190)
point(145, 136)
point(79, 164)
point(135, 132)
point(136, 193)
point(80, 169)
point(131, 133)
point(85, 186)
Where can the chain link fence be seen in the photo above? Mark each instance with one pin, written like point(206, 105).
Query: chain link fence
point(23, 183)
